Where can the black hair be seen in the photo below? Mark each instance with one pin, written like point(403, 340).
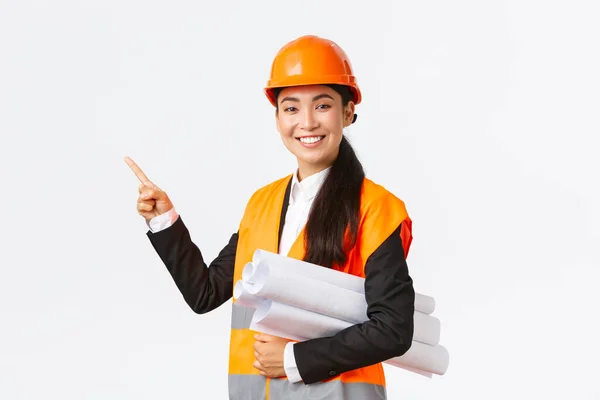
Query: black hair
point(332, 226)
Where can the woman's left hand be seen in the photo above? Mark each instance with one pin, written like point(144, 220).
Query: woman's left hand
point(268, 351)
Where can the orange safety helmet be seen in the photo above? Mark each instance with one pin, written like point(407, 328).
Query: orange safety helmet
point(311, 60)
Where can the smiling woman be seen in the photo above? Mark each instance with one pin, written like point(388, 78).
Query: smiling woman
point(326, 212)
point(310, 120)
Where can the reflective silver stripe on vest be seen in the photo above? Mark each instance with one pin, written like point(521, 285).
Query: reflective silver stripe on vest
point(281, 389)
point(241, 316)
point(253, 387)
point(247, 387)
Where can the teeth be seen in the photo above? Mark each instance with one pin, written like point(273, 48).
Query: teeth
point(309, 140)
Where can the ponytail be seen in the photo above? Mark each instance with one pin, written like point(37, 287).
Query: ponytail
point(332, 226)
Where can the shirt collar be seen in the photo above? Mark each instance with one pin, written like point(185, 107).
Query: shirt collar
point(309, 187)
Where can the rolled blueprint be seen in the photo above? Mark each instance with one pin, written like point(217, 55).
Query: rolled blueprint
point(434, 359)
point(424, 304)
point(338, 278)
point(297, 324)
point(248, 272)
point(279, 284)
point(426, 327)
point(243, 298)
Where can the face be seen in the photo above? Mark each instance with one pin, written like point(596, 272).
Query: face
point(310, 120)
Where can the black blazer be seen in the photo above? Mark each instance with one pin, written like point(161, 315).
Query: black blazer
point(389, 294)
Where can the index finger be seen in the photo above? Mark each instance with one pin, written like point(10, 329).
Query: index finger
point(137, 171)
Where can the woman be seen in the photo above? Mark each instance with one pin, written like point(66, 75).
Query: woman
point(328, 213)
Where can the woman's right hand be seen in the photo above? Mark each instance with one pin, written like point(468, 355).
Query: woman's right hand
point(152, 201)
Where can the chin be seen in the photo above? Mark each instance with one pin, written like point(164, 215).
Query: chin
point(314, 157)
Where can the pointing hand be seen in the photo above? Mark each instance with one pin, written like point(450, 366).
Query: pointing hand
point(152, 201)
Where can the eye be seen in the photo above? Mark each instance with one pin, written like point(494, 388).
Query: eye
point(323, 106)
point(290, 109)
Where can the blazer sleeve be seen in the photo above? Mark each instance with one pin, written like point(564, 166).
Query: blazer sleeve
point(387, 333)
point(203, 287)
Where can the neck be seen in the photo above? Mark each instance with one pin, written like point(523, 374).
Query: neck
point(304, 171)
point(307, 169)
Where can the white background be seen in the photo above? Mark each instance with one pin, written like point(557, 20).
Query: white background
point(481, 116)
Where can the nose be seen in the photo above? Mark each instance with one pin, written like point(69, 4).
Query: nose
point(308, 120)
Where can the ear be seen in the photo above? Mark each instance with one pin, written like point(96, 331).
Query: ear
point(349, 114)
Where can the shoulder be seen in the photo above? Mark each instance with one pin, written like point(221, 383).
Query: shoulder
point(375, 197)
point(382, 213)
point(264, 198)
point(271, 188)
point(265, 194)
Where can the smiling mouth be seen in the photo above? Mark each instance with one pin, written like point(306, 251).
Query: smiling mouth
point(310, 139)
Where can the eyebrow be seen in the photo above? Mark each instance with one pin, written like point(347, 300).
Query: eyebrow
point(317, 97)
